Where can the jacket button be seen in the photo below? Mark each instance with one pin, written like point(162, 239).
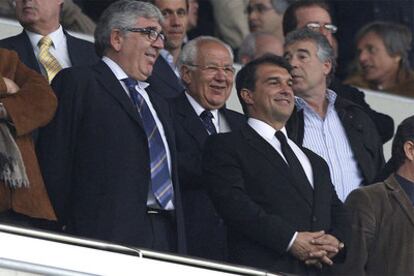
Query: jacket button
point(314, 219)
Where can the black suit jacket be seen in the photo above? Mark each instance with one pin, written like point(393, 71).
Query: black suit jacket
point(81, 52)
point(164, 81)
point(95, 160)
point(204, 228)
point(254, 192)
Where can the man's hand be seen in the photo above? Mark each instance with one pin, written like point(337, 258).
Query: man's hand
point(328, 243)
point(302, 246)
point(12, 87)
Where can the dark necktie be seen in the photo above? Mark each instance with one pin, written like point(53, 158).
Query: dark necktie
point(296, 168)
point(207, 119)
point(161, 183)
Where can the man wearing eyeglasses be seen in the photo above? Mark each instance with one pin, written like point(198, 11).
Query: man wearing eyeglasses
point(108, 157)
point(207, 72)
point(315, 15)
point(40, 20)
point(165, 78)
point(266, 16)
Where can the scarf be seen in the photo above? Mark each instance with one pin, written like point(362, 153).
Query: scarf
point(12, 170)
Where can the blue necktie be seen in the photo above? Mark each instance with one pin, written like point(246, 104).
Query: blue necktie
point(207, 119)
point(161, 183)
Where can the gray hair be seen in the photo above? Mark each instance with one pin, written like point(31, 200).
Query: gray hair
point(189, 53)
point(396, 37)
point(121, 15)
point(325, 52)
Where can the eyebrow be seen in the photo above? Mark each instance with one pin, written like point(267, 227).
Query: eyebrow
point(306, 51)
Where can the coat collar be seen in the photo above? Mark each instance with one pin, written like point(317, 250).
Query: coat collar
point(400, 196)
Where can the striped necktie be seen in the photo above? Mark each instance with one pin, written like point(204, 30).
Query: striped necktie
point(161, 182)
point(207, 119)
point(49, 62)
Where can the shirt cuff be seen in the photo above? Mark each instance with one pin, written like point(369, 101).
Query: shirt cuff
point(292, 241)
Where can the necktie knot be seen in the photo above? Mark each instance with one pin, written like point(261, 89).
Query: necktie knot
point(281, 137)
point(207, 118)
point(45, 42)
point(130, 83)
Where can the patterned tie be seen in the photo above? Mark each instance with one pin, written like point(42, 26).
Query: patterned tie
point(207, 119)
point(294, 164)
point(48, 61)
point(161, 183)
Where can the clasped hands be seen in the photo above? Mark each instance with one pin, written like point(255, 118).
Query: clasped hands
point(315, 248)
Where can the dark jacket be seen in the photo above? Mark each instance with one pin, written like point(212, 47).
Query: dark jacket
point(363, 137)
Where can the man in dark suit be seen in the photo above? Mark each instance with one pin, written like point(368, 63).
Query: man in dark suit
point(41, 19)
point(208, 76)
point(165, 77)
point(276, 198)
point(108, 157)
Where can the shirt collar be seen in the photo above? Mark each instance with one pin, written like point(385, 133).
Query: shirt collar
point(120, 73)
point(330, 96)
point(197, 107)
point(58, 37)
point(264, 129)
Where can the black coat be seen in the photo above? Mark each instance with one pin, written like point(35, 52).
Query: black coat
point(366, 144)
point(206, 234)
point(95, 160)
point(263, 207)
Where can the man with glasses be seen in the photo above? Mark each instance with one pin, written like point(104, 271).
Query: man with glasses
point(315, 16)
point(108, 157)
point(44, 45)
point(266, 16)
point(207, 72)
point(165, 78)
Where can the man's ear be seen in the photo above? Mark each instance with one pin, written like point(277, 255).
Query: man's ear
point(327, 67)
point(116, 39)
point(409, 150)
point(247, 96)
point(185, 74)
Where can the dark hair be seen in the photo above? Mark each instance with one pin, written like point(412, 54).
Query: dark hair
point(290, 21)
point(405, 132)
point(187, 3)
point(246, 78)
point(396, 37)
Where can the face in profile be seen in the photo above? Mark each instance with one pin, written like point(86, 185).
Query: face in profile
point(377, 65)
point(262, 16)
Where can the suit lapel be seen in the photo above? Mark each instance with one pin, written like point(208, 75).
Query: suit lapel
point(76, 57)
point(168, 76)
point(114, 88)
point(26, 52)
point(399, 195)
point(190, 121)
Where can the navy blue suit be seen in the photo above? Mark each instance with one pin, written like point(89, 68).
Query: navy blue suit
point(164, 81)
point(95, 160)
point(206, 234)
point(81, 52)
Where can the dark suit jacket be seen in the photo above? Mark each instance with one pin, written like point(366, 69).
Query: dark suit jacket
point(204, 228)
point(382, 231)
point(95, 160)
point(81, 52)
point(253, 190)
point(164, 81)
point(366, 144)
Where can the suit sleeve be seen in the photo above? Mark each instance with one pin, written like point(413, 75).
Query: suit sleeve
point(56, 144)
point(223, 173)
point(363, 223)
point(34, 105)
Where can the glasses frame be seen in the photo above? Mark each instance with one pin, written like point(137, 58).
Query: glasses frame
point(328, 27)
point(216, 68)
point(152, 34)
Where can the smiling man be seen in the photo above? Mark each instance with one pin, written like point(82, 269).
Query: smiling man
point(275, 197)
point(40, 20)
point(108, 156)
point(207, 71)
point(333, 127)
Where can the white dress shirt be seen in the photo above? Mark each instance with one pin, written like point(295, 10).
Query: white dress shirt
point(199, 109)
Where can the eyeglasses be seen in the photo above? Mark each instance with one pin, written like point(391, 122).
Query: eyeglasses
point(314, 26)
point(260, 8)
point(214, 69)
point(152, 34)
